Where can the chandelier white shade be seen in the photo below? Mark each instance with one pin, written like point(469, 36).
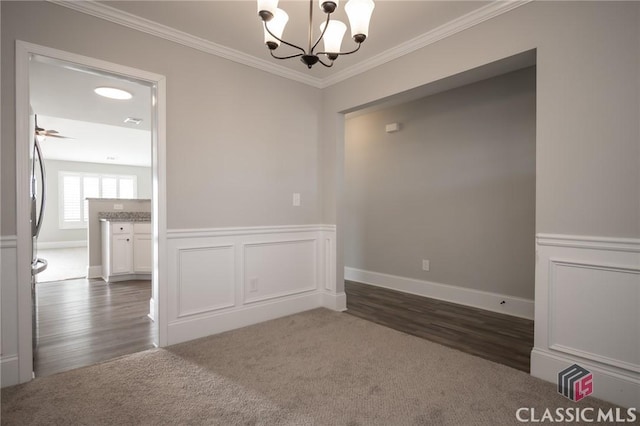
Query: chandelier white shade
point(333, 35)
point(359, 13)
point(331, 31)
point(276, 25)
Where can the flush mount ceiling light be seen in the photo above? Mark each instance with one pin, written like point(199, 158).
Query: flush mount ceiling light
point(331, 31)
point(113, 93)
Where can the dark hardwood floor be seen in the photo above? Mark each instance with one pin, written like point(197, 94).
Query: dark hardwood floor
point(83, 322)
point(500, 338)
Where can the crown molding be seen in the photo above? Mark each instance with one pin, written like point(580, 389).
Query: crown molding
point(464, 22)
point(135, 22)
point(147, 26)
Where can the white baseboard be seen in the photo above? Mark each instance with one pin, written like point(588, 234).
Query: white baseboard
point(335, 302)
point(9, 370)
point(183, 330)
point(127, 277)
point(61, 244)
point(94, 271)
point(514, 306)
point(621, 389)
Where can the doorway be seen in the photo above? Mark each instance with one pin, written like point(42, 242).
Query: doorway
point(96, 154)
point(439, 215)
point(26, 56)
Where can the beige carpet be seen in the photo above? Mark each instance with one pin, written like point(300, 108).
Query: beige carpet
point(315, 368)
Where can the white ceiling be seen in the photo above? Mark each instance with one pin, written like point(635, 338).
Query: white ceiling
point(63, 96)
point(236, 25)
point(96, 143)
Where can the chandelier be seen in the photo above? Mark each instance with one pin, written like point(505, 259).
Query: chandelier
point(331, 31)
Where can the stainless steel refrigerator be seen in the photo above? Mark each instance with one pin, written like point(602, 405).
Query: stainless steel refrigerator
point(38, 193)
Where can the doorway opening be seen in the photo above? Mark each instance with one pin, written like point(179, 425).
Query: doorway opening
point(105, 166)
point(439, 211)
point(96, 152)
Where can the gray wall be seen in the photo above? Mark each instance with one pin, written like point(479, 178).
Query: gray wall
point(456, 186)
point(263, 148)
point(587, 108)
point(51, 231)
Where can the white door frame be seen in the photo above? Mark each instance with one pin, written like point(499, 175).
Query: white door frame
point(24, 51)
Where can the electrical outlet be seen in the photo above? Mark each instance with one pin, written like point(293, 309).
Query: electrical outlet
point(425, 265)
point(253, 284)
point(296, 199)
point(118, 207)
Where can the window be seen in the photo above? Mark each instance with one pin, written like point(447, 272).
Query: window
point(75, 188)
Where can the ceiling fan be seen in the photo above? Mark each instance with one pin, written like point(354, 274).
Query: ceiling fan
point(43, 133)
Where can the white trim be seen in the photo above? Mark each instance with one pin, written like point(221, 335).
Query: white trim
point(514, 306)
point(94, 271)
point(448, 29)
point(553, 344)
point(152, 307)
point(609, 384)
point(185, 329)
point(129, 20)
point(23, 208)
point(9, 367)
point(247, 230)
point(158, 86)
point(317, 289)
point(588, 242)
point(8, 241)
point(616, 378)
point(61, 244)
point(335, 302)
point(464, 22)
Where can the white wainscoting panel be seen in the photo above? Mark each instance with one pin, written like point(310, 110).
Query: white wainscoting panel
point(206, 279)
point(587, 312)
point(593, 312)
point(264, 274)
point(225, 278)
point(9, 367)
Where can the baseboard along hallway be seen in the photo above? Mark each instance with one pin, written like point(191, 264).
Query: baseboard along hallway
point(496, 337)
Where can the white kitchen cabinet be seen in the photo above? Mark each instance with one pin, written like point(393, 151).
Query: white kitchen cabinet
point(142, 248)
point(126, 251)
point(121, 254)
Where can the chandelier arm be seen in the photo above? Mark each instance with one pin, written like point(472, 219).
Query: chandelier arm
point(326, 25)
point(341, 53)
point(284, 42)
point(328, 66)
point(285, 57)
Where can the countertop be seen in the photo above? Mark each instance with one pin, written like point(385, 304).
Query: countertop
point(124, 216)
